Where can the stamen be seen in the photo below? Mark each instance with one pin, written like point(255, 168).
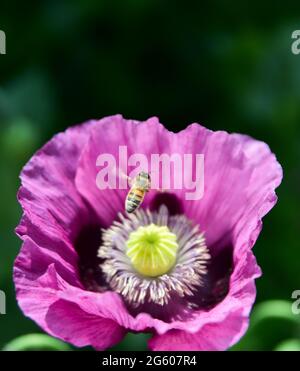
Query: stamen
point(152, 257)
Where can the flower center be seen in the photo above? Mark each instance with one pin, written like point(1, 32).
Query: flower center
point(154, 260)
point(152, 250)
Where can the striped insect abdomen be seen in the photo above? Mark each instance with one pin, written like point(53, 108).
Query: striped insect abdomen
point(134, 199)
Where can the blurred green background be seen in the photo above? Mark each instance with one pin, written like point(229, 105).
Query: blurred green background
point(227, 65)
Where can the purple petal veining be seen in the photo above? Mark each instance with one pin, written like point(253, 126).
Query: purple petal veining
point(60, 201)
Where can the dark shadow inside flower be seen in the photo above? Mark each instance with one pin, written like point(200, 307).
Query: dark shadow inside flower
point(216, 282)
point(170, 200)
point(87, 244)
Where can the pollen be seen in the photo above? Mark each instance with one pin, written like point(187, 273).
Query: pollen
point(152, 250)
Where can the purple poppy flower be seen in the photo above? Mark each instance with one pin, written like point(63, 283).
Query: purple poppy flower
point(88, 273)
